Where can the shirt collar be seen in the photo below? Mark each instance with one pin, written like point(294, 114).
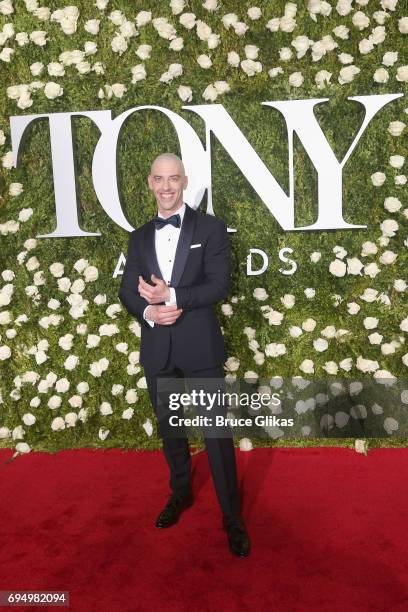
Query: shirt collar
point(180, 211)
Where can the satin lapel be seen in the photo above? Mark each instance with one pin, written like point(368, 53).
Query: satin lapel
point(150, 251)
point(183, 245)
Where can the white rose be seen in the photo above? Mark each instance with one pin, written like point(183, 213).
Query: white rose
point(138, 73)
point(232, 364)
point(119, 44)
point(221, 87)
point(315, 256)
point(15, 189)
point(403, 25)
point(57, 424)
point(371, 270)
point(285, 54)
point(90, 47)
point(354, 266)
point(288, 300)
point(396, 128)
point(400, 285)
point(287, 23)
point(370, 322)
point(309, 293)
point(397, 161)
point(345, 58)
point(251, 67)
point(344, 7)
point(203, 30)
point(402, 74)
point(347, 74)
point(275, 349)
point(260, 294)
point(392, 204)
point(22, 447)
point(377, 36)
point(164, 28)
point(143, 51)
point(142, 18)
point(245, 444)
point(204, 61)
point(322, 78)
point(176, 44)
point(71, 362)
point(331, 367)
point(320, 345)
point(369, 295)
point(5, 352)
point(55, 69)
point(387, 348)
point(91, 274)
point(389, 227)
point(390, 58)
point(307, 366)
point(341, 31)
point(309, 325)
point(233, 59)
point(92, 26)
point(240, 28)
point(366, 365)
point(388, 257)
point(273, 24)
point(295, 331)
point(337, 268)
point(188, 20)
point(360, 20)
point(185, 93)
point(389, 5)
point(404, 325)
point(296, 79)
point(71, 419)
point(251, 51)
point(368, 248)
point(375, 338)
point(38, 37)
point(53, 90)
point(128, 413)
point(177, 6)
point(36, 68)
point(381, 75)
point(378, 179)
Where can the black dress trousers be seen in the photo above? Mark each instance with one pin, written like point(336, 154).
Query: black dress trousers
point(220, 450)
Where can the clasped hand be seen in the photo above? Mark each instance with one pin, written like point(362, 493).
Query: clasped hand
point(162, 315)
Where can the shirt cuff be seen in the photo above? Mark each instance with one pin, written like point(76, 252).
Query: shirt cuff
point(151, 323)
point(172, 299)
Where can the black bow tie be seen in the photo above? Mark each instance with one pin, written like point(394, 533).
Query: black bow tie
point(173, 220)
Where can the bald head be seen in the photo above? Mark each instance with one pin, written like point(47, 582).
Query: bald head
point(167, 180)
point(168, 157)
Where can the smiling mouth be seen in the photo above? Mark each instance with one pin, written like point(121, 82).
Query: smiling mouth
point(166, 196)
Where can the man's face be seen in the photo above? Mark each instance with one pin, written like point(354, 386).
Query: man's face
point(167, 181)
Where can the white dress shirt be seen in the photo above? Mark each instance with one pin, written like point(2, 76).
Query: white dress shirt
point(166, 240)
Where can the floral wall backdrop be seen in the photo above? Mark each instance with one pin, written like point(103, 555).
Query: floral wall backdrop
point(69, 352)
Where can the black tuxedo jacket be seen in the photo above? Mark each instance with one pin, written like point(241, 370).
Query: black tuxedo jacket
point(200, 278)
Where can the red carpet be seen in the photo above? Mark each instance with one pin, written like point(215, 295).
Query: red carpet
point(328, 529)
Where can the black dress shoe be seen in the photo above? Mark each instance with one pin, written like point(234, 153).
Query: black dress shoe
point(238, 539)
point(172, 510)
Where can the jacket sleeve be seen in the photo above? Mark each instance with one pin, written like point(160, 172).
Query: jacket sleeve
point(216, 272)
point(128, 292)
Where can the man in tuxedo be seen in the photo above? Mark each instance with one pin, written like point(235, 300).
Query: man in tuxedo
point(177, 268)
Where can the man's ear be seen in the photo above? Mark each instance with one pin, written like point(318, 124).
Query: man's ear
point(185, 182)
point(149, 181)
